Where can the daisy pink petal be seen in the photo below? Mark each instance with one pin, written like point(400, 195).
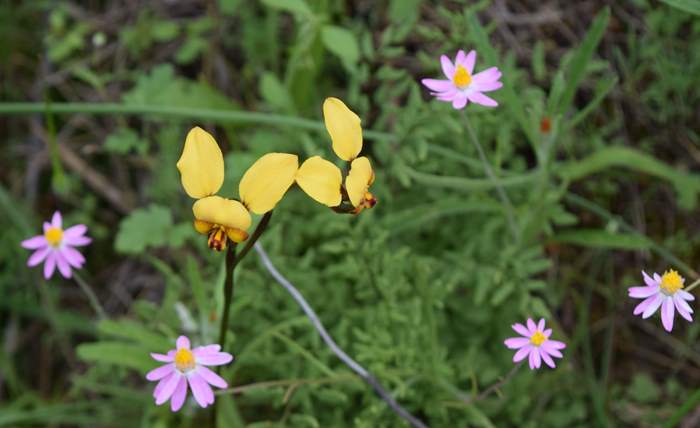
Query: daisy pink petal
point(517, 342)
point(169, 388)
point(179, 395)
point(488, 75)
point(75, 231)
point(447, 67)
point(47, 226)
point(50, 265)
point(201, 351)
point(555, 344)
point(535, 360)
point(161, 384)
point(183, 342)
point(551, 351)
point(657, 277)
point(642, 292)
point(217, 359)
point(648, 280)
point(57, 220)
point(460, 57)
point(479, 98)
point(667, 313)
point(653, 305)
point(73, 257)
point(63, 265)
point(531, 326)
point(438, 85)
point(79, 241)
point(547, 359)
point(160, 372)
point(547, 332)
point(640, 308)
point(683, 304)
point(487, 86)
point(520, 329)
point(469, 61)
point(522, 353)
point(685, 295)
point(38, 256)
point(681, 310)
point(163, 358)
point(459, 102)
point(540, 324)
point(448, 96)
point(201, 390)
point(35, 243)
point(212, 378)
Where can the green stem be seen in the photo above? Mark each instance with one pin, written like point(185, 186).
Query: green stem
point(168, 112)
point(262, 225)
point(510, 211)
point(94, 301)
point(693, 285)
point(228, 294)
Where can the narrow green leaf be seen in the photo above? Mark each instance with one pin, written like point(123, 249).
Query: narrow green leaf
point(118, 354)
point(298, 8)
point(597, 238)
point(579, 63)
point(691, 6)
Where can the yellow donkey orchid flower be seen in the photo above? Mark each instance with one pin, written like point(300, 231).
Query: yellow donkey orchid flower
point(323, 181)
point(263, 185)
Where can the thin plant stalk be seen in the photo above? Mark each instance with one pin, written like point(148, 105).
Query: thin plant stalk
point(345, 358)
point(94, 301)
point(510, 211)
point(693, 285)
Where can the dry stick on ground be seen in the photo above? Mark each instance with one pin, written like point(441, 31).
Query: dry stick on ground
point(311, 314)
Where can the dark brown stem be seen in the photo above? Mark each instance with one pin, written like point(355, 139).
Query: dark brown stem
point(262, 225)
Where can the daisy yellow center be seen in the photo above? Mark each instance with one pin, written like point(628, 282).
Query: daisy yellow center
point(184, 360)
point(538, 338)
point(671, 282)
point(462, 77)
point(53, 236)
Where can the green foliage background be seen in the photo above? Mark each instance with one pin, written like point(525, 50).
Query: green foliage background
point(423, 288)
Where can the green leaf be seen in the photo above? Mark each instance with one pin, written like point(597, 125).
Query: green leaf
point(687, 185)
point(124, 140)
point(275, 93)
point(578, 65)
point(130, 329)
point(597, 238)
point(298, 8)
point(144, 227)
point(342, 43)
point(691, 6)
point(118, 354)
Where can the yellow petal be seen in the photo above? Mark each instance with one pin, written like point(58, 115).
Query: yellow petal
point(223, 212)
point(321, 180)
point(201, 164)
point(202, 226)
point(267, 180)
point(358, 180)
point(344, 127)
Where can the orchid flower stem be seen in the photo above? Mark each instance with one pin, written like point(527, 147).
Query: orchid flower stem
point(510, 211)
point(345, 358)
point(228, 293)
point(693, 285)
point(94, 301)
point(232, 261)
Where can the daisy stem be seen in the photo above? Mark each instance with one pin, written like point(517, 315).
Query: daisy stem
point(485, 393)
point(94, 301)
point(693, 285)
point(510, 211)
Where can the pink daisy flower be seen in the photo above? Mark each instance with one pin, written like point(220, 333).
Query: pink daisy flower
point(56, 247)
point(461, 86)
point(535, 344)
point(665, 292)
point(185, 367)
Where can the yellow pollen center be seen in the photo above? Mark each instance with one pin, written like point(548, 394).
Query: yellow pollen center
point(671, 282)
point(184, 360)
point(462, 77)
point(53, 236)
point(538, 338)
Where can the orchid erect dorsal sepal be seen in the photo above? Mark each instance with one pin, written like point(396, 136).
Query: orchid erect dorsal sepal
point(264, 184)
point(321, 180)
point(201, 164)
point(344, 127)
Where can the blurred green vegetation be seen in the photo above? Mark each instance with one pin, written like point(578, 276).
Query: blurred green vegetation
point(423, 288)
